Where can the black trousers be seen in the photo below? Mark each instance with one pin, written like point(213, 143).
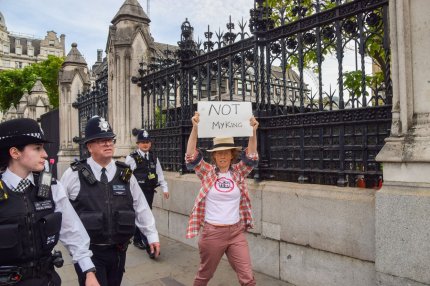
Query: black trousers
point(149, 196)
point(51, 278)
point(110, 265)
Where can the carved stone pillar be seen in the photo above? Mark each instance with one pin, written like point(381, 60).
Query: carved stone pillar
point(403, 203)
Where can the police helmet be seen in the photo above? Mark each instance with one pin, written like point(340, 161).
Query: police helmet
point(97, 127)
point(143, 135)
point(21, 132)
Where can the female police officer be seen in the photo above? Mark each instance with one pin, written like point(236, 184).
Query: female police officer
point(34, 212)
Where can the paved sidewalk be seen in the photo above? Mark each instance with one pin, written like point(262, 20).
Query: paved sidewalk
point(176, 266)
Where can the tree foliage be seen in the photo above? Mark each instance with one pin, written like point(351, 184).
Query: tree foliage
point(286, 11)
point(13, 83)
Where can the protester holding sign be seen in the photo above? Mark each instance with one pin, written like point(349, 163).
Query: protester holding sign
point(222, 206)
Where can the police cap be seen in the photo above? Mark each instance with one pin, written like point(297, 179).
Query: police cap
point(21, 132)
point(97, 127)
point(143, 135)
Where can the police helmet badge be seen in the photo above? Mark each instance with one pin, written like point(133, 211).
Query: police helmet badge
point(145, 134)
point(103, 125)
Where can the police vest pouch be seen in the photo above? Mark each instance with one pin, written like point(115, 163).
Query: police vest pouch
point(125, 222)
point(93, 222)
point(10, 243)
point(50, 226)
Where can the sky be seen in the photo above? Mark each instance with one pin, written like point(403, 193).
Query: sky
point(86, 22)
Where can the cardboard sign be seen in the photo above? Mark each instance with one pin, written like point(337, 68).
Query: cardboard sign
point(224, 119)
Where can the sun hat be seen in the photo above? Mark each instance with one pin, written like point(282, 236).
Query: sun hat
point(223, 143)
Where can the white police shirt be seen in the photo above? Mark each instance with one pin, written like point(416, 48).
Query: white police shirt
point(132, 163)
point(72, 234)
point(144, 218)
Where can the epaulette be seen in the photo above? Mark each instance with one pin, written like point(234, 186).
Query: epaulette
point(121, 164)
point(3, 193)
point(136, 156)
point(126, 172)
point(82, 167)
point(75, 165)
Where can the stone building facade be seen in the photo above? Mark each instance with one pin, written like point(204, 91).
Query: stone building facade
point(74, 78)
point(18, 50)
point(31, 105)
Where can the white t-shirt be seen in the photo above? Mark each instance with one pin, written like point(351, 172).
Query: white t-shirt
point(222, 201)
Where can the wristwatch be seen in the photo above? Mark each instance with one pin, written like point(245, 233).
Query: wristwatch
point(92, 269)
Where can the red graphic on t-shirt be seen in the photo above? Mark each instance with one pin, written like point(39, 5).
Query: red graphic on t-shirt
point(224, 185)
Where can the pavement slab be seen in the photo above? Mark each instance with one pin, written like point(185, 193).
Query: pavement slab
point(176, 266)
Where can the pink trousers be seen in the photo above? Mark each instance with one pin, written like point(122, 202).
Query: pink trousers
point(214, 242)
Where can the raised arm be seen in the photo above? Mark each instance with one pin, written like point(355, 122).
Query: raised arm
point(192, 140)
point(252, 143)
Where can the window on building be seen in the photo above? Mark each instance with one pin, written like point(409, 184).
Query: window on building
point(6, 49)
point(29, 43)
point(17, 42)
point(18, 65)
point(30, 52)
point(51, 43)
point(6, 64)
point(18, 50)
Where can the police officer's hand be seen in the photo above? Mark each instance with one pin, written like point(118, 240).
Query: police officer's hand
point(155, 248)
point(91, 279)
point(166, 195)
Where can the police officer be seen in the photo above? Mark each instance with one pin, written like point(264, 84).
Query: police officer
point(109, 202)
point(35, 212)
point(149, 174)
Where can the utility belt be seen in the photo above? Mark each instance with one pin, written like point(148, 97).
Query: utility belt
point(12, 274)
point(122, 247)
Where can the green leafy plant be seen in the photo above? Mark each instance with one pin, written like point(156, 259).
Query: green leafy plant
point(13, 83)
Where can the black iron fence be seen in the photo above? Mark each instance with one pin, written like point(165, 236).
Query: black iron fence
point(93, 101)
point(317, 74)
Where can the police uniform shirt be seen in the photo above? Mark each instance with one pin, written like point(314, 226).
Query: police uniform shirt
point(72, 234)
point(132, 163)
point(144, 218)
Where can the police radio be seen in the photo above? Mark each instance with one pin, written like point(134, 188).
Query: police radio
point(45, 180)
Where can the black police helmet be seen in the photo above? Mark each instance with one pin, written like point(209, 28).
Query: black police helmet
point(97, 127)
point(21, 132)
point(143, 135)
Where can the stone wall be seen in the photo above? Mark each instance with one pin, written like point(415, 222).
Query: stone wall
point(304, 234)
